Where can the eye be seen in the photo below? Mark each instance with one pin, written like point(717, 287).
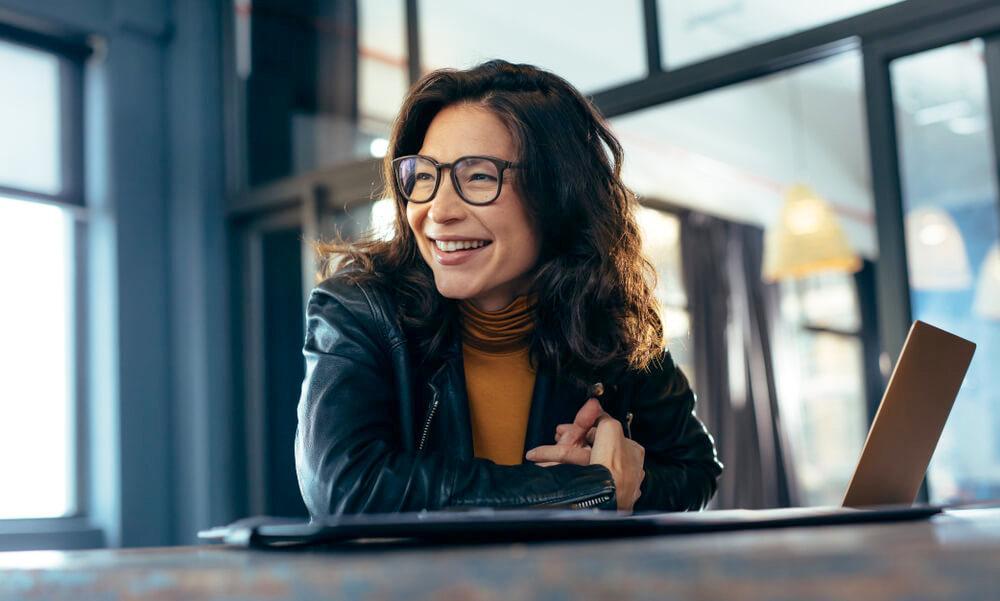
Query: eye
point(482, 177)
point(424, 177)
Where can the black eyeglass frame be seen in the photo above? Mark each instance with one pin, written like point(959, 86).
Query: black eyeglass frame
point(501, 165)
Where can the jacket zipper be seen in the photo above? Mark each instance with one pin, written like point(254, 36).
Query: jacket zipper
point(578, 503)
point(591, 502)
point(430, 417)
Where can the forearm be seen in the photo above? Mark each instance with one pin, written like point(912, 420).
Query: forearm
point(670, 486)
point(373, 478)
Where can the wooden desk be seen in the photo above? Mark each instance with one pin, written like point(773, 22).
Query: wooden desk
point(954, 556)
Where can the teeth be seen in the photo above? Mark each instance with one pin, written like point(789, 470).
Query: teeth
point(453, 245)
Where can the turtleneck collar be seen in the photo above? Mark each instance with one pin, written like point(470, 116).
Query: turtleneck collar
point(502, 331)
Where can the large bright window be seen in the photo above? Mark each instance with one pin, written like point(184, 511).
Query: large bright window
point(37, 297)
point(36, 389)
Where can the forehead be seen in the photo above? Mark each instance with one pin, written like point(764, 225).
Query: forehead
point(464, 129)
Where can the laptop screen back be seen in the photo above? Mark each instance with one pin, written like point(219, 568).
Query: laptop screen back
point(914, 409)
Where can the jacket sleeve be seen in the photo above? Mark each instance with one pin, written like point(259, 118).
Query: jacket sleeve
point(681, 464)
point(348, 454)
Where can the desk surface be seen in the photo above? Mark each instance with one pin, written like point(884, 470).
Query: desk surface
point(955, 556)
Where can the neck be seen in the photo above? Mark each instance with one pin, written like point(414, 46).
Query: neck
point(494, 300)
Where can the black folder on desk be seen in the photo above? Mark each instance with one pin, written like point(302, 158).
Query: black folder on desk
point(517, 525)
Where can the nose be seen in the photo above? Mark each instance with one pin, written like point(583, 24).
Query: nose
point(447, 205)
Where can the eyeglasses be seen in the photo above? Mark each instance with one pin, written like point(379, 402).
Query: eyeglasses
point(477, 179)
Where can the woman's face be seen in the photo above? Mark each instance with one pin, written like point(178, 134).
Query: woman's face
point(492, 275)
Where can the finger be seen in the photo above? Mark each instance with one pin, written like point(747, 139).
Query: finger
point(547, 464)
point(638, 449)
point(591, 434)
point(562, 428)
point(559, 454)
point(588, 414)
point(573, 435)
point(607, 423)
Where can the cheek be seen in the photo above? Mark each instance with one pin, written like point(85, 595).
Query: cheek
point(415, 219)
point(412, 218)
point(524, 242)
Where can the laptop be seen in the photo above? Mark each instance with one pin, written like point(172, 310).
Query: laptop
point(904, 433)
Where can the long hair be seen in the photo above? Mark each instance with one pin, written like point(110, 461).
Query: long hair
point(595, 314)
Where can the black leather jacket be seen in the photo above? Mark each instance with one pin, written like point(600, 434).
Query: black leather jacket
point(376, 434)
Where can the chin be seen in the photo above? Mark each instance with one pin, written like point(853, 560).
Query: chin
point(449, 288)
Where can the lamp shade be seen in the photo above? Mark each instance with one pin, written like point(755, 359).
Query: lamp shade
point(807, 239)
point(935, 251)
point(987, 303)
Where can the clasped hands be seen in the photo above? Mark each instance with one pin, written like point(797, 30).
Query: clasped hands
point(596, 438)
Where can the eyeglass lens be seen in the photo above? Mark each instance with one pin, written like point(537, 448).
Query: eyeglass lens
point(477, 179)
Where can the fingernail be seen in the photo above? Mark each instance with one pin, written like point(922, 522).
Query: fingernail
point(530, 454)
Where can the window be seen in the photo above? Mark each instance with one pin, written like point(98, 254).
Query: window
point(661, 243)
point(383, 78)
point(38, 304)
point(952, 229)
point(820, 370)
point(733, 153)
point(696, 31)
point(594, 45)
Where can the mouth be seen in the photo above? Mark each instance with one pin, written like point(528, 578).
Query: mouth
point(454, 252)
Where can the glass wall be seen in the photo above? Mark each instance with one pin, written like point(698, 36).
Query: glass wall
point(733, 153)
point(951, 225)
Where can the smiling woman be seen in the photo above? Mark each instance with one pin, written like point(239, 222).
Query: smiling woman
point(513, 309)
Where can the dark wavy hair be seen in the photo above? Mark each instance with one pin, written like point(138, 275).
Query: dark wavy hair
point(595, 314)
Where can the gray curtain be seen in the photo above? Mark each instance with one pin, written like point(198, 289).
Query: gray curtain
point(732, 311)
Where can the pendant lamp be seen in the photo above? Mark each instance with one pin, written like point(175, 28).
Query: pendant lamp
point(987, 303)
point(935, 251)
point(807, 239)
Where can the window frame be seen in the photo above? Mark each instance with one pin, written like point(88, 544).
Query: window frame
point(74, 530)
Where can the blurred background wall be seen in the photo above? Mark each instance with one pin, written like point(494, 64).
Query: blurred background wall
point(812, 179)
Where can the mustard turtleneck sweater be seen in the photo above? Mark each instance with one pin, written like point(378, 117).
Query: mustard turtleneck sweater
point(499, 379)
